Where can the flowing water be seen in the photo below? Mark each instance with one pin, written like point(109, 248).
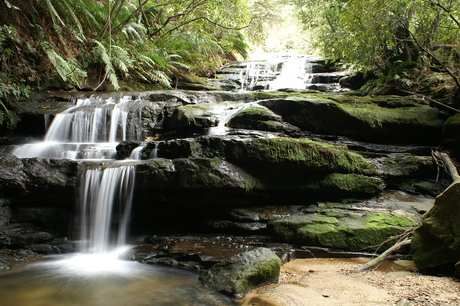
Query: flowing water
point(98, 276)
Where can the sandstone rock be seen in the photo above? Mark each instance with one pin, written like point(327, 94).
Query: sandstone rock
point(243, 272)
point(436, 242)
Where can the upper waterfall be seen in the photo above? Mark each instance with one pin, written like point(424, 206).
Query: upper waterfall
point(90, 129)
point(282, 71)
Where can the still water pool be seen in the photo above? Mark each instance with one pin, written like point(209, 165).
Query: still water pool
point(71, 280)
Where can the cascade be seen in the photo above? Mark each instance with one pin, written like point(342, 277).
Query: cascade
point(295, 73)
point(89, 130)
point(283, 71)
point(223, 116)
point(105, 200)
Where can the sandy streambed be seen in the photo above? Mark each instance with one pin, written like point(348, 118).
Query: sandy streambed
point(330, 282)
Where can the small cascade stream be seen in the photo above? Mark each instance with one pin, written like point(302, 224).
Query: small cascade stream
point(99, 275)
point(280, 72)
point(193, 163)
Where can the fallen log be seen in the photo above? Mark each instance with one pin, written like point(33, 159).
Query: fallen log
point(374, 262)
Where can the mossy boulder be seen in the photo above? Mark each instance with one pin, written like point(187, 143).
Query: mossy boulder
point(198, 116)
point(437, 241)
point(281, 164)
point(343, 229)
point(257, 117)
point(299, 154)
point(389, 119)
point(406, 165)
point(244, 272)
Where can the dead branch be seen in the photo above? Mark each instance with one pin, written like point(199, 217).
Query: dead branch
point(448, 164)
point(374, 262)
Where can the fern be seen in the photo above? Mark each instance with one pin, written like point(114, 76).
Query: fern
point(101, 53)
point(67, 70)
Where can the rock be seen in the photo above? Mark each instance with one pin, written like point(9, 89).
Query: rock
point(451, 138)
point(243, 272)
point(343, 229)
point(384, 119)
point(125, 148)
point(436, 242)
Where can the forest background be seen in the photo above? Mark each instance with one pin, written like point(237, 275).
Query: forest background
point(408, 45)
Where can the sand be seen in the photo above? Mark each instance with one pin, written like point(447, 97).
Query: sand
point(331, 282)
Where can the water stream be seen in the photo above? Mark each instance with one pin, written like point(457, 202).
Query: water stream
point(90, 130)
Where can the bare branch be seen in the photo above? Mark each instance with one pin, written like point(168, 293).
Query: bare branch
point(188, 11)
point(210, 21)
point(447, 11)
point(382, 256)
point(454, 77)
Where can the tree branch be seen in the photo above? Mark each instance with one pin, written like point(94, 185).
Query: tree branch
point(454, 77)
point(448, 164)
point(192, 6)
point(447, 11)
point(210, 21)
point(126, 21)
point(372, 263)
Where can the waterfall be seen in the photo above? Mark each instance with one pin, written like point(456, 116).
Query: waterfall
point(105, 200)
point(294, 74)
point(223, 116)
point(90, 129)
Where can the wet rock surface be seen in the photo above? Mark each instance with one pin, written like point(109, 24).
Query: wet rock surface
point(272, 158)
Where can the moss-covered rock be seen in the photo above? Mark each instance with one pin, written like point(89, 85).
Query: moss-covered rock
point(282, 164)
point(342, 229)
point(300, 154)
point(257, 118)
point(437, 241)
point(198, 116)
point(382, 119)
point(244, 272)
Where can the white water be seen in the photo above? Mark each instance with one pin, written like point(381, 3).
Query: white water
point(294, 74)
point(223, 114)
point(105, 199)
point(89, 130)
point(277, 71)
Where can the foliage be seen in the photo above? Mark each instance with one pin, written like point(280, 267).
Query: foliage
point(383, 33)
point(84, 43)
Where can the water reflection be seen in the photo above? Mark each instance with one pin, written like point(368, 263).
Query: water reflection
point(69, 281)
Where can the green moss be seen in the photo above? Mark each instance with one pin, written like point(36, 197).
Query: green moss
point(346, 183)
point(257, 111)
point(384, 220)
point(377, 116)
point(267, 273)
point(352, 233)
point(321, 156)
point(287, 229)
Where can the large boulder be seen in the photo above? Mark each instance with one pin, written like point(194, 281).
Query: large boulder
point(343, 229)
point(243, 272)
point(378, 119)
point(437, 241)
